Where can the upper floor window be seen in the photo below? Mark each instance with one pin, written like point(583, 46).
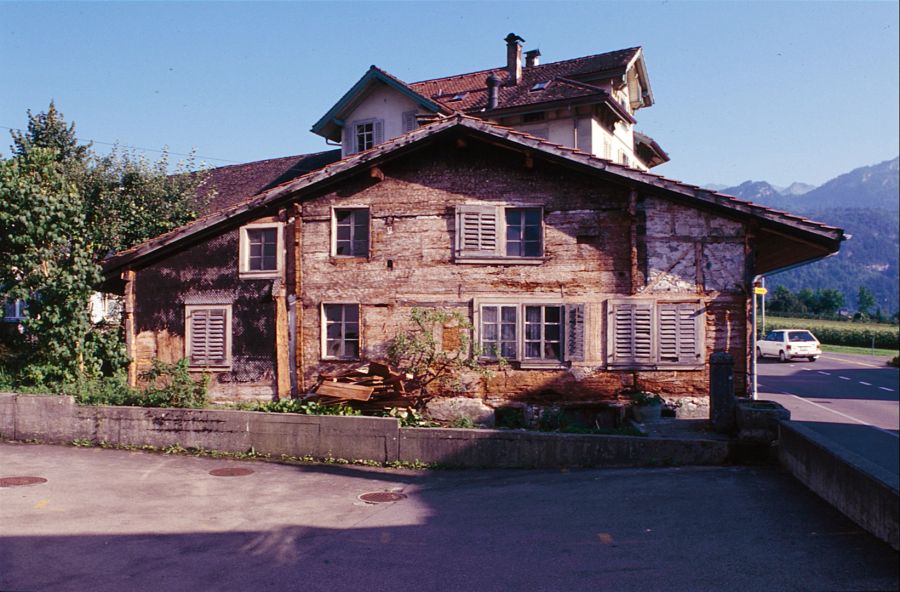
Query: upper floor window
point(351, 232)
point(485, 232)
point(362, 135)
point(261, 251)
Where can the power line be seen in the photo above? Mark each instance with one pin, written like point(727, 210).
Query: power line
point(200, 156)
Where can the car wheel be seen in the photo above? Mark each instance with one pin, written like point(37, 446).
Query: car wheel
point(759, 354)
point(813, 358)
point(781, 357)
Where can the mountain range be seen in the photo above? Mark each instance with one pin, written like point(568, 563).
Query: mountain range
point(865, 202)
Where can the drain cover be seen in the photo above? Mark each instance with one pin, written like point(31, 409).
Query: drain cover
point(19, 481)
point(379, 497)
point(231, 472)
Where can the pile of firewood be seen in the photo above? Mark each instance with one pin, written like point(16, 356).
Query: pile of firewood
point(368, 386)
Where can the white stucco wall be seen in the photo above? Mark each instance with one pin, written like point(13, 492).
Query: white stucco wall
point(382, 103)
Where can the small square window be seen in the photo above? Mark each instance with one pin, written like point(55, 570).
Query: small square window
point(523, 232)
point(365, 136)
point(261, 251)
point(341, 331)
point(208, 336)
point(351, 232)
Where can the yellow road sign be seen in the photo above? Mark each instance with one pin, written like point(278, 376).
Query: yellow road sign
point(760, 291)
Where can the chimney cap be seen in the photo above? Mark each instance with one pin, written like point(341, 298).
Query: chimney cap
point(532, 53)
point(493, 80)
point(513, 38)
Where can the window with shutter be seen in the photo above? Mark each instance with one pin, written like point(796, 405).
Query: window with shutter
point(208, 340)
point(485, 232)
point(643, 333)
point(536, 335)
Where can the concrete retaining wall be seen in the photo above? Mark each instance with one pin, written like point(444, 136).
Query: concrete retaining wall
point(860, 489)
point(59, 419)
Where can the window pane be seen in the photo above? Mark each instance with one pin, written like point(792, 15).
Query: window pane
point(551, 351)
point(489, 332)
point(351, 349)
point(551, 314)
point(532, 350)
point(508, 332)
point(532, 314)
point(514, 249)
point(533, 217)
point(351, 331)
point(351, 312)
point(489, 314)
point(532, 233)
point(508, 350)
point(551, 332)
point(532, 332)
point(333, 312)
point(509, 314)
point(531, 249)
point(333, 331)
point(343, 233)
point(343, 216)
point(333, 348)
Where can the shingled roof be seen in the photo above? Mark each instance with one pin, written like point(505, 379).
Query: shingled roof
point(568, 79)
point(234, 183)
point(783, 238)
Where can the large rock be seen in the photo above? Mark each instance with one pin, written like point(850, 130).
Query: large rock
point(453, 408)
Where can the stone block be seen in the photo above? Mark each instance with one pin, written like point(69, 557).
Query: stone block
point(453, 408)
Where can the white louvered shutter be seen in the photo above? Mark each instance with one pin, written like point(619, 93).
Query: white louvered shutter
point(678, 333)
point(632, 333)
point(409, 121)
point(378, 131)
point(208, 338)
point(349, 138)
point(476, 231)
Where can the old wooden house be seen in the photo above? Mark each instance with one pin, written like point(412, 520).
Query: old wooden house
point(590, 277)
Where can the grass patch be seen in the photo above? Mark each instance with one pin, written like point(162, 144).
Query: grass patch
point(846, 349)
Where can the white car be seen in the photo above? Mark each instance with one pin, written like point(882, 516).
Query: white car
point(786, 344)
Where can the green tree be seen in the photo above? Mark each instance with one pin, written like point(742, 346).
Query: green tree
point(49, 130)
point(864, 300)
point(784, 301)
point(46, 261)
point(828, 301)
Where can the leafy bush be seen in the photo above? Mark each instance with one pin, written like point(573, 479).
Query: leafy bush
point(172, 385)
point(302, 407)
point(642, 399)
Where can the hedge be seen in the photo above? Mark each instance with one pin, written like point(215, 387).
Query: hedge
point(853, 335)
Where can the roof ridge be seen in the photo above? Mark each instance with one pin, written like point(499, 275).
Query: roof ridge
point(532, 68)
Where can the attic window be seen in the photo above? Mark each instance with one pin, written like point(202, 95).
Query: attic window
point(458, 96)
point(540, 86)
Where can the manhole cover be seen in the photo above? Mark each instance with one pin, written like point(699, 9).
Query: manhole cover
point(20, 481)
point(380, 497)
point(230, 472)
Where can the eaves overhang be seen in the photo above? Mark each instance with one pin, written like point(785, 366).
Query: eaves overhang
point(781, 238)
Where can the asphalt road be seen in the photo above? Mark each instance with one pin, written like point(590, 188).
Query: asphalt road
point(851, 399)
point(108, 520)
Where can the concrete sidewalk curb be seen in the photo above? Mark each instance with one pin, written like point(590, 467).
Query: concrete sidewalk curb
point(863, 491)
point(59, 419)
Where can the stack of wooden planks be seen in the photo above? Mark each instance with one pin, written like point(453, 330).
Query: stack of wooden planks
point(367, 387)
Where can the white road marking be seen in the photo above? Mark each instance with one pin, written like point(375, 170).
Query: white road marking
point(806, 369)
point(844, 377)
point(844, 415)
point(884, 388)
point(825, 373)
point(865, 383)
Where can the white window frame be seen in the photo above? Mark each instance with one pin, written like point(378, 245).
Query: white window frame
point(498, 257)
point(566, 309)
point(655, 361)
point(244, 271)
point(323, 331)
point(188, 330)
point(334, 239)
point(18, 305)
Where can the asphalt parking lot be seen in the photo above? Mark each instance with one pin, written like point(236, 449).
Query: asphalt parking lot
point(118, 520)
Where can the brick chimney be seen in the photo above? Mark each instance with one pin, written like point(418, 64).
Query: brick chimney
point(514, 58)
point(532, 58)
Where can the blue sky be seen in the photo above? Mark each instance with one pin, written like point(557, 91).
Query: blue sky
point(765, 90)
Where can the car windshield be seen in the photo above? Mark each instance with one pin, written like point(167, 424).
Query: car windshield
point(800, 336)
